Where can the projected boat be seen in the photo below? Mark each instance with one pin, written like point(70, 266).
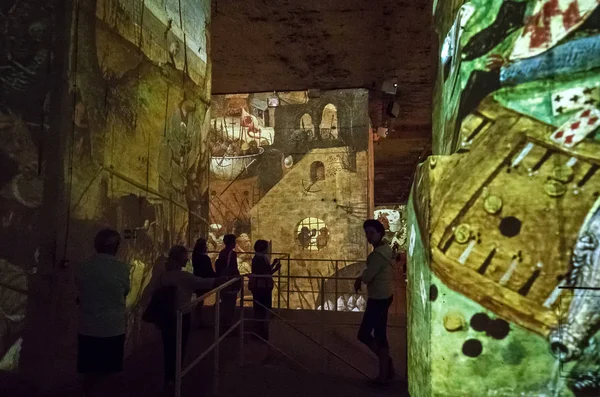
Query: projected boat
point(505, 218)
point(229, 168)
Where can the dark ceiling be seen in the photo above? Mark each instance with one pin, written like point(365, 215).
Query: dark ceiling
point(327, 44)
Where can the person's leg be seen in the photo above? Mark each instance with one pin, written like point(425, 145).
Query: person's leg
point(366, 327)
point(168, 340)
point(186, 323)
point(99, 359)
point(269, 306)
point(380, 336)
point(199, 308)
point(227, 311)
point(260, 314)
point(256, 311)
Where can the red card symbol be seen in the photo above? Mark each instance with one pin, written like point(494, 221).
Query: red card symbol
point(569, 139)
point(575, 125)
point(593, 121)
point(559, 134)
point(586, 113)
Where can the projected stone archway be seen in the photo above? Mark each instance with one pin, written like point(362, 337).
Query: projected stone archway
point(329, 122)
point(306, 125)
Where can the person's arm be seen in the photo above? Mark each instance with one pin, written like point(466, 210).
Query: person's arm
point(275, 266)
point(374, 266)
point(375, 263)
point(127, 279)
point(192, 283)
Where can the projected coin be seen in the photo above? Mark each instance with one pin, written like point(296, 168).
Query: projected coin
point(462, 233)
point(554, 188)
point(563, 174)
point(492, 204)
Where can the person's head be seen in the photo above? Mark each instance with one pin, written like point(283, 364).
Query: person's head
point(374, 231)
point(229, 241)
point(178, 257)
point(261, 246)
point(107, 242)
point(200, 247)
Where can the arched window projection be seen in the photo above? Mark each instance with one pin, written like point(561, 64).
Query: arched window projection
point(306, 125)
point(317, 171)
point(313, 234)
point(329, 122)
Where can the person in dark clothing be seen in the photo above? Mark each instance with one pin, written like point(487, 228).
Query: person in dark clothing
point(184, 285)
point(378, 276)
point(202, 268)
point(262, 287)
point(226, 266)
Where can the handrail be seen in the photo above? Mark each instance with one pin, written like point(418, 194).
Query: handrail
point(181, 372)
point(213, 291)
point(313, 340)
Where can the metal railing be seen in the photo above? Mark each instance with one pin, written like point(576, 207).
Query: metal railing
point(218, 337)
point(304, 291)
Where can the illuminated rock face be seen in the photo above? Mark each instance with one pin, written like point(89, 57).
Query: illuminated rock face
point(113, 133)
point(503, 218)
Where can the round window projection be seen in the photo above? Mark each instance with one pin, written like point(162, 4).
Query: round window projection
point(510, 226)
point(312, 234)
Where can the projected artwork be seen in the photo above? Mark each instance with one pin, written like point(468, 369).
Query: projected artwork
point(139, 159)
point(394, 220)
point(24, 92)
point(503, 238)
point(295, 175)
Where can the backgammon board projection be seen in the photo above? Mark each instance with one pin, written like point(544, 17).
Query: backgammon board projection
point(506, 219)
point(504, 242)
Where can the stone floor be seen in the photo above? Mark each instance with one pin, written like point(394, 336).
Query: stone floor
point(142, 376)
point(265, 372)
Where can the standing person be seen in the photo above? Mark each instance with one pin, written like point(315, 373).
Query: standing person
point(226, 266)
point(262, 287)
point(183, 285)
point(202, 268)
point(103, 283)
point(378, 277)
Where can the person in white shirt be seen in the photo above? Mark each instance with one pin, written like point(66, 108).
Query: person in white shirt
point(103, 283)
point(379, 279)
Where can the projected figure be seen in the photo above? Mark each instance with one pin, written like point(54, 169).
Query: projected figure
point(178, 160)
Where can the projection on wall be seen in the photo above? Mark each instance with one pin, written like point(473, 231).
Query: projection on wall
point(24, 92)
point(295, 175)
point(138, 160)
point(504, 223)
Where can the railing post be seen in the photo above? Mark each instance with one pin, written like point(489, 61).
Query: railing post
point(335, 296)
point(322, 293)
point(178, 353)
point(288, 283)
point(217, 334)
point(241, 330)
point(279, 289)
point(323, 314)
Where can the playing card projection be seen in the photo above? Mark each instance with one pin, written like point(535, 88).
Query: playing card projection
point(503, 235)
point(578, 128)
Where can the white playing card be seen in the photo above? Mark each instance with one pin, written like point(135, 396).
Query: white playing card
point(577, 127)
point(572, 99)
